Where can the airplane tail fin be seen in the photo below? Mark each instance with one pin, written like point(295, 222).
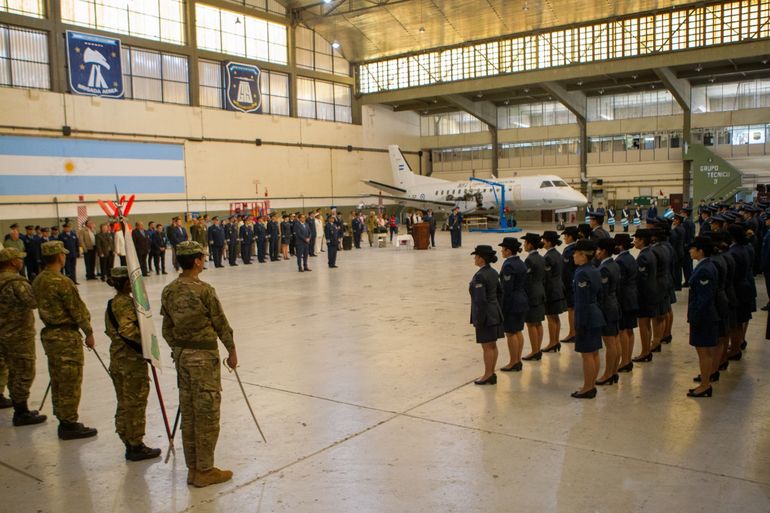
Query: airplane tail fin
point(403, 176)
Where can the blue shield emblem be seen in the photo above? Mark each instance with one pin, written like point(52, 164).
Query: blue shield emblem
point(243, 89)
point(94, 65)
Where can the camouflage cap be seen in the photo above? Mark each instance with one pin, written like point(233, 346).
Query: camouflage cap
point(119, 272)
point(53, 247)
point(190, 247)
point(8, 254)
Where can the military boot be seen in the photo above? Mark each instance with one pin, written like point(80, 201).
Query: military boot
point(5, 402)
point(75, 430)
point(211, 476)
point(141, 452)
point(23, 416)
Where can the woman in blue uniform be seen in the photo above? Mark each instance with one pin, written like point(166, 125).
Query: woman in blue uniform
point(702, 313)
point(627, 300)
point(744, 289)
point(513, 279)
point(486, 315)
point(589, 320)
point(570, 235)
point(555, 304)
point(646, 290)
point(608, 302)
point(535, 294)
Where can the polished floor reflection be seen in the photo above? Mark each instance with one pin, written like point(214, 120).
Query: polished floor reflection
point(360, 377)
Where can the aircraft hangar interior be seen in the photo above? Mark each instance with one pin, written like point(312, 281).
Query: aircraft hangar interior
point(360, 255)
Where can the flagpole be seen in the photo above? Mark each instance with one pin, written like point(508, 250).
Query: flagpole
point(162, 408)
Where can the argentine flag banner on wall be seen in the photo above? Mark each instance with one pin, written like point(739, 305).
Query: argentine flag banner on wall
point(52, 166)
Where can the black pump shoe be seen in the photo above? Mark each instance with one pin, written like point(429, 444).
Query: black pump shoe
point(590, 394)
point(553, 349)
point(744, 344)
point(627, 368)
point(724, 366)
point(608, 381)
point(491, 380)
point(735, 357)
point(516, 367)
point(568, 339)
point(713, 379)
point(645, 358)
point(536, 356)
point(705, 393)
point(657, 348)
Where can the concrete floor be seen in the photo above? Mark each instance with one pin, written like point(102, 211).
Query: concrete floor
point(361, 376)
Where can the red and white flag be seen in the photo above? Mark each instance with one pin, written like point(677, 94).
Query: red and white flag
point(82, 215)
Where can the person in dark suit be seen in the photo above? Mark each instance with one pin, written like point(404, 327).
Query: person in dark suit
point(431, 220)
point(141, 246)
point(357, 225)
point(589, 319)
point(246, 235)
point(664, 281)
point(232, 237)
point(104, 249)
point(32, 245)
point(216, 236)
point(273, 237)
point(596, 221)
point(608, 302)
point(310, 222)
point(486, 314)
point(158, 245)
point(725, 268)
point(689, 237)
point(647, 265)
point(260, 232)
point(570, 236)
point(535, 294)
point(332, 235)
point(513, 278)
point(302, 243)
point(176, 234)
point(702, 313)
point(455, 223)
point(627, 300)
point(72, 245)
point(555, 303)
point(292, 220)
point(661, 236)
point(745, 289)
point(286, 236)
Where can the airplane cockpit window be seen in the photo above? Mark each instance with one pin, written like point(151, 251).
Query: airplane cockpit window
point(545, 184)
point(560, 183)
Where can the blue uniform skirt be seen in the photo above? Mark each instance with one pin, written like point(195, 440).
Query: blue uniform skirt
point(610, 329)
point(704, 336)
point(588, 340)
point(535, 314)
point(513, 322)
point(556, 307)
point(628, 320)
point(486, 334)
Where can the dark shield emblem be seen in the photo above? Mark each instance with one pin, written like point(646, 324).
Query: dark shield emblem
point(243, 90)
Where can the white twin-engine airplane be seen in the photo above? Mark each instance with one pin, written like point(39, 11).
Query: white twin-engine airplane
point(541, 192)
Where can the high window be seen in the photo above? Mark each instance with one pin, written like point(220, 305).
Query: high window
point(323, 100)
point(274, 85)
point(316, 53)
point(155, 76)
point(24, 58)
point(24, 7)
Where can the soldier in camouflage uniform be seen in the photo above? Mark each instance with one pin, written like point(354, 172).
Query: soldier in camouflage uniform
point(17, 335)
point(192, 321)
point(128, 368)
point(65, 316)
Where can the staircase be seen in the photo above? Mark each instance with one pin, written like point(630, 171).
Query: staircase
point(713, 177)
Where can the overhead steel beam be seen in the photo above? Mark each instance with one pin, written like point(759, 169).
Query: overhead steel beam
point(574, 72)
point(484, 111)
point(678, 87)
point(575, 101)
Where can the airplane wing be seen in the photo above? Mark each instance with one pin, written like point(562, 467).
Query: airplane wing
point(416, 202)
point(384, 187)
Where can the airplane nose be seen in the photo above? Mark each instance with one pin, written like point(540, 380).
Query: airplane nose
point(580, 199)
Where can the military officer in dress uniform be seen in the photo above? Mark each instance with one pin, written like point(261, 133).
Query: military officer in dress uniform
point(273, 237)
point(72, 245)
point(193, 320)
point(65, 316)
point(689, 230)
point(486, 314)
point(455, 223)
point(677, 239)
point(32, 244)
point(555, 303)
point(17, 337)
point(302, 243)
point(570, 235)
point(310, 222)
point(247, 240)
point(647, 264)
point(702, 313)
point(332, 234)
point(608, 302)
point(128, 368)
point(513, 278)
point(589, 319)
point(597, 230)
point(231, 233)
point(260, 231)
point(535, 293)
point(627, 300)
point(216, 236)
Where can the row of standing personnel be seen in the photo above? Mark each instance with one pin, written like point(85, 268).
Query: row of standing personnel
point(624, 293)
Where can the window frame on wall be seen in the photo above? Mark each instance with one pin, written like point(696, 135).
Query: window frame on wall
point(39, 12)
point(13, 62)
point(314, 52)
point(340, 112)
point(108, 16)
point(238, 41)
point(130, 76)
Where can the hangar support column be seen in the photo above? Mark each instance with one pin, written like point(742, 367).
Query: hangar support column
point(486, 112)
point(576, 102)
point(681, 90)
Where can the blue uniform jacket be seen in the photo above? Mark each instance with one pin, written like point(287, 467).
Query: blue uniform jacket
point(455, 222)
point(71, 243)
point(261, 232)
point(331, 232)
point(647, 265)
point(513, 279)
point(701, 306)
point(568, 269)
point(247, 234)
point(486, 295)
point(765, 261)
point(743, 273)
point(554, 286)
point(587, 288)
point(535, 279)
point(628, 298)
point(216, 236)
point(610, 274)
point(301, 234)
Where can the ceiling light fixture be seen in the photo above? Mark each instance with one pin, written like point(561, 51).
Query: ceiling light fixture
point(580, 83)
point(699, 68)
point(479, 95)
point(601, 91)
point(336, 44)
point(238, 21)
point(421, 30)
point(506, 102)
point(526, 90)
point(634, 76)
point(327, 1)
point(764, 61)
point(525, 7)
